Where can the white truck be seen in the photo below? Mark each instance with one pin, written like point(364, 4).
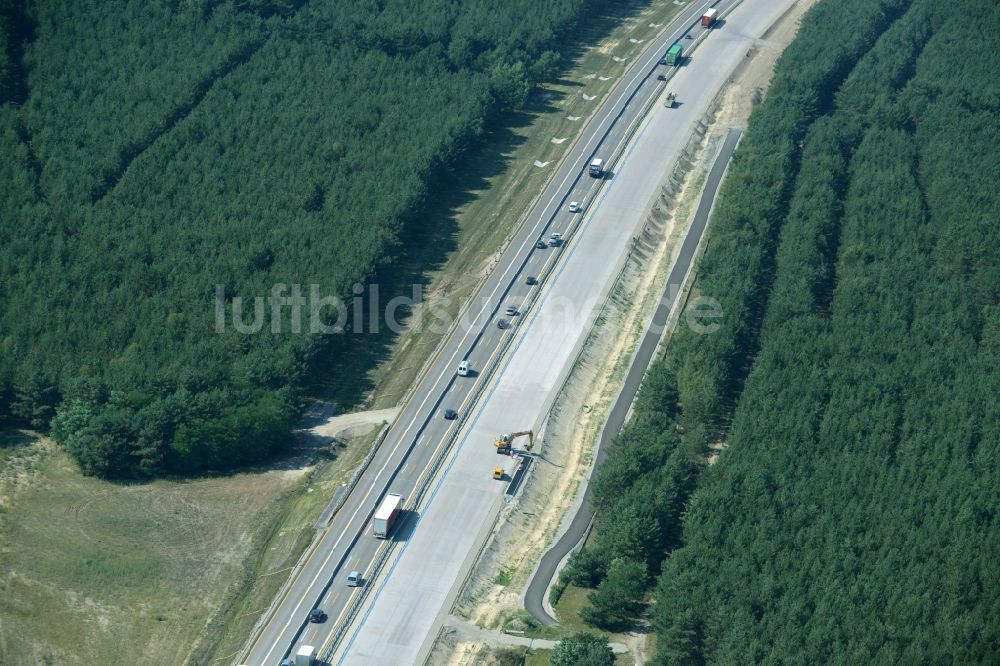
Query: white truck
point(306, 656)
point(596, 167)
point(386, 515)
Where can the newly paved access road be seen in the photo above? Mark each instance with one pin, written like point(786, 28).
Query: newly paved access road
point(430, 551)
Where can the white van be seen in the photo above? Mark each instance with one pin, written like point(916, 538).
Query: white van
point(463, 369)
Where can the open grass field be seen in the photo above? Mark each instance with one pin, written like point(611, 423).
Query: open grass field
point(292, 535)
point(93, 572)
point(157, 573)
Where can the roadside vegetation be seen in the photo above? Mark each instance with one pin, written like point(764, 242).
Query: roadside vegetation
point(160, 149)
point(496, 183)
point(851, 515)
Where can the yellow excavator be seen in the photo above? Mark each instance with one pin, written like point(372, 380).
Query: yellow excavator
point(504, 442)
point(498, 473)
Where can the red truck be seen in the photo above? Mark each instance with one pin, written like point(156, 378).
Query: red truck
point(386, 515)
point(708, 18)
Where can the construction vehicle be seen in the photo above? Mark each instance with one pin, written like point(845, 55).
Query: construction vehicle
point(498, 474)
point(671, 99)
point(503, 442)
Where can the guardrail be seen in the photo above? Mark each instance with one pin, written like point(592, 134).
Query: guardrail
point(491, 366)
point(627, 137)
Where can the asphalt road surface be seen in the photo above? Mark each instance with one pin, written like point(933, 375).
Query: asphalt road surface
point(401, 614)
point(537, 587)
point(428, 566)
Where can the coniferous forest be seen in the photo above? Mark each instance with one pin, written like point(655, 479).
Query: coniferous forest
point(153, 150)
point(854, 513)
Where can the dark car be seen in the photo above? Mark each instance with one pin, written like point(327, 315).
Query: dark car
point(316, 615)
point(663, 61)
point(450, 414)
point(540, 244)
point(661, 77)
point(501, 324)
point(531, 280)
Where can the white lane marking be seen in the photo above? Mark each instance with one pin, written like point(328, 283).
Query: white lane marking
point(596, 135)
point(502, 282)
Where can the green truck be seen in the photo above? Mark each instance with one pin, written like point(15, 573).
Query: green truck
point(674, 55)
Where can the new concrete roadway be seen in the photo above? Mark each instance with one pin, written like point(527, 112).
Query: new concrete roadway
point(410, 599)
point(432, 548)
point(534, 596)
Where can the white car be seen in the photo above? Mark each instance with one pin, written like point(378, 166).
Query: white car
point(574, 206)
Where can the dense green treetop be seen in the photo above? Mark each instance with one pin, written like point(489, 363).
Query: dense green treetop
point(162, 148)
point(852, 517)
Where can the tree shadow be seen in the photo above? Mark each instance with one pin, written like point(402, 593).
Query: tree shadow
point(14, 438)
point(341, 372)
point(595, 26)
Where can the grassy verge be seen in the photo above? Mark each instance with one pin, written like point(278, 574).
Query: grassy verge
point(568, 611)
point(291, 535)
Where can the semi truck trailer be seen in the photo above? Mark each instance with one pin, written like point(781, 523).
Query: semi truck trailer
point(386, 515)
point(675, 55)
point(306, 656)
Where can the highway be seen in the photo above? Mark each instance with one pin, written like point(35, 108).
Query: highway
point(538, 586)
point(411, 599)
point(406, 600)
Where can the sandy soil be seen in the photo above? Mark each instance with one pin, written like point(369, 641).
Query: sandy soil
point(354, 424)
